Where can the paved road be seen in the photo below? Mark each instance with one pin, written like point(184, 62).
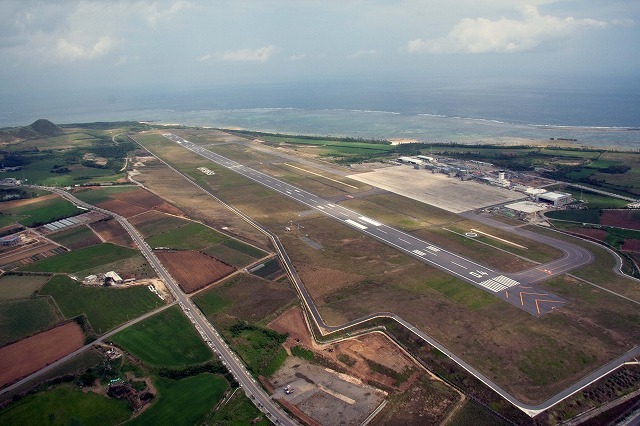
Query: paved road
point(209, 334)
point(519, 292)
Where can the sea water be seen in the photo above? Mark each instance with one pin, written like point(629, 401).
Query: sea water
point(600, 112)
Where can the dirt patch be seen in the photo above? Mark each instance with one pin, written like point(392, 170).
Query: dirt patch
point(621, 218)
point(31, 354)
point(329, 280)
point(122, 208)
point(7, 205)
point(193, 269)
point(360, 356)
point(92, 240)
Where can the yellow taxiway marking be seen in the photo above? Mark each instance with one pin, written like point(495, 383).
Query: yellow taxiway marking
point(318, 174)
point(499, 239)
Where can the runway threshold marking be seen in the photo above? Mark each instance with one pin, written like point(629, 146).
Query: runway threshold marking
point(322, 176)
point(356, 224)
point(371, 221)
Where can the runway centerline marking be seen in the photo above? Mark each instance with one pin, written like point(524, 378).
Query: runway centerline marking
point(457, 264)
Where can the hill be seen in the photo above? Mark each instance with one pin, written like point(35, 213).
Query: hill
point(38, 129)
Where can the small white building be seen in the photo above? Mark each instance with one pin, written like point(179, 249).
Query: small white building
point(113, 276)
point(526, 210)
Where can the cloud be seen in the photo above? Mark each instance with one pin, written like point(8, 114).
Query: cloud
point(297, 57)
point(247, 55)
point(360, 53)
point(504, 35)
point(70, 50)
point(203, 58)
point(154, 14)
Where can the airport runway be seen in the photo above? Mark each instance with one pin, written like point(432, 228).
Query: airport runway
point(521, 293)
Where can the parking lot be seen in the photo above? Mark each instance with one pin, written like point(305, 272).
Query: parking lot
point(451, 194)
point(325, 395)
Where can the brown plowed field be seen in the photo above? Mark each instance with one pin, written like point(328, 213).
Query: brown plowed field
point(631, 245)
point(621, 218)
point(597, 234)
point(193, 269)
point(139, 197)
point(33, 353)
point(169, 208)
point(122, 208)
point(108, 229)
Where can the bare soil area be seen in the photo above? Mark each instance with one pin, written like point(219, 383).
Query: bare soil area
point(111, 231)
point(122, 208)
point(7, 205)
point(621, 218)
point(193, 269)
point(31, 354)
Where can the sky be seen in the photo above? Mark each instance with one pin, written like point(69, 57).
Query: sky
point(74, 45)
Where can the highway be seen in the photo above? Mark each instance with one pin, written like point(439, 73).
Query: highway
point(253, 389)
point(519, 292)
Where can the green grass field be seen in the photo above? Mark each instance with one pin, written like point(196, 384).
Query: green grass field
point(105, 307)
point(20, 286)
point(192, 236)
point(183, 402)
point(66, 406)
point(166, 339)
point(238, 411)
point(24, 317)
point(159, 226)
point(95, 196)
point(582, 216)
point(45, 211)
point(82, 259)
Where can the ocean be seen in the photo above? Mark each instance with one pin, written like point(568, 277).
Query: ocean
point(594, 111)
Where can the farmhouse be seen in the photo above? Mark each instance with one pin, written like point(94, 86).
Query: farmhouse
point(112, 277)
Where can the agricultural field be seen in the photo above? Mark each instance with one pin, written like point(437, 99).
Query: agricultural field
point(104, 307)
point(42, 349)
point(238, 411)
point(153, 223)
point(191, 236)
point(76, 237)
point(239, 308)
point(166, 339)
point(111, 231)
point(72, 156)
point(81, 259)
point(38, 211)
point(20, 286)
point(24, 317)
point(183, 402)
point(193, 270)
point(66, 405)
